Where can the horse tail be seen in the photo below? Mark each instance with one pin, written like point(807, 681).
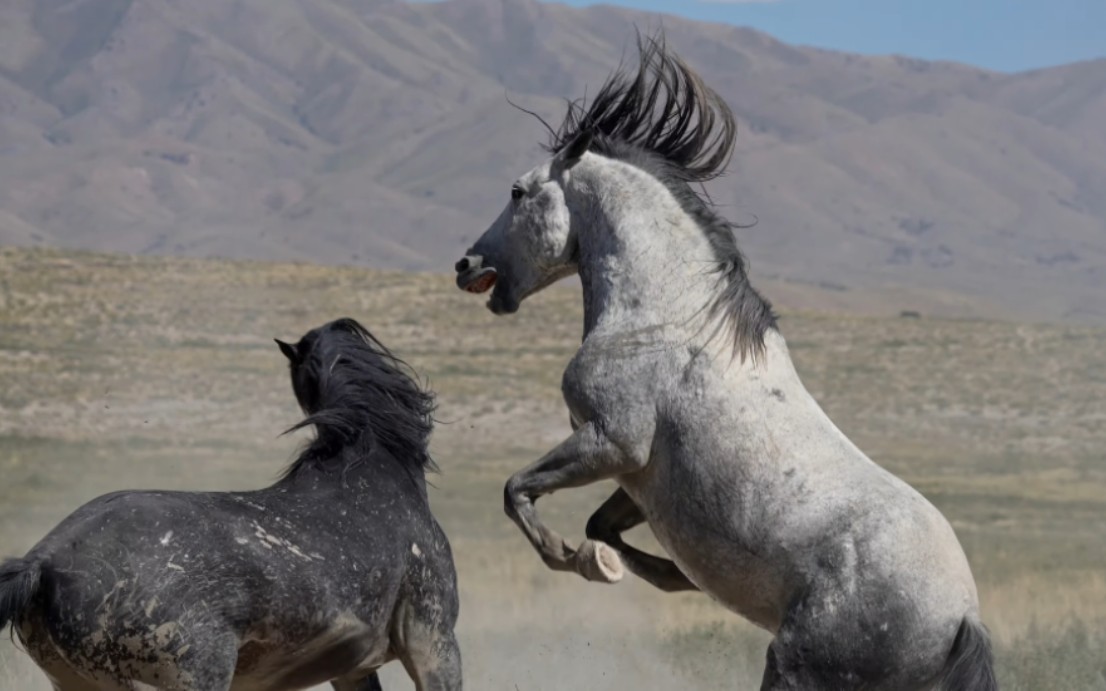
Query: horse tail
point(970, 665)
point(19, 582)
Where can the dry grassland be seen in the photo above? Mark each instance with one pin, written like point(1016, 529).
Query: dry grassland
point(118, 372)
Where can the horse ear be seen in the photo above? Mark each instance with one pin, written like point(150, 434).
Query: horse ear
point(575, 149)
point(289, 351)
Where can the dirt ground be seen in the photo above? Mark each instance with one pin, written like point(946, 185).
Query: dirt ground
point(118, 372)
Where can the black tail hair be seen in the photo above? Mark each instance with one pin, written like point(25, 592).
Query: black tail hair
point(19, 581)
point(971, 666)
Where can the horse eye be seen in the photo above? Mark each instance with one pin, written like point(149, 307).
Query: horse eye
point(517, 193)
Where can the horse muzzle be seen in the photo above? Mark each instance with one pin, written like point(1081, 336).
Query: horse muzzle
point(473, 276)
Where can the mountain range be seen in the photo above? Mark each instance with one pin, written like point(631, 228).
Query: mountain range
point(379, 132)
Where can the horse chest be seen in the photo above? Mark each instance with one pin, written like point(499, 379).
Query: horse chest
point(615, 376)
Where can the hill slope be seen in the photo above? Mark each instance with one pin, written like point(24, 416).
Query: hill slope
point(376, 131)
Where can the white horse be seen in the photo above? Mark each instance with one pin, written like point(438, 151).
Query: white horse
point(683, 392)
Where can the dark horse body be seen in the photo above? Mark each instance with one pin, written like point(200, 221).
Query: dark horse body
point(323, 577)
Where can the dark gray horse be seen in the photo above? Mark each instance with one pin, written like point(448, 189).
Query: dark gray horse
point(684, 393)
point(325, 576)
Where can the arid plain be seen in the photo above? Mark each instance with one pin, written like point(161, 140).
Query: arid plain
point(120, 372)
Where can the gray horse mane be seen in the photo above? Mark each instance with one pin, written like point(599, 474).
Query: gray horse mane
point(666, 121)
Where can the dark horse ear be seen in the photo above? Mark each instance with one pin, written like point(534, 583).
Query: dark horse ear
point(289, 351)
point(575, 149)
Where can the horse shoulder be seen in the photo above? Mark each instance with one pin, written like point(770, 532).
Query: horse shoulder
point(618, 386)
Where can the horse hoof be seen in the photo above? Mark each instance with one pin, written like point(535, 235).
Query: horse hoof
point(598, 561)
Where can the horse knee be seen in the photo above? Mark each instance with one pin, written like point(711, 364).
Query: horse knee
point(434, 665)
point(510, 494)
point(515, 496)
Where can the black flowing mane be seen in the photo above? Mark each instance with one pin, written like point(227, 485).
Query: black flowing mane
point(666, 121)
point(358, 395)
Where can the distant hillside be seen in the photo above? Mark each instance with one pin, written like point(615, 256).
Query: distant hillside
point(377, 132)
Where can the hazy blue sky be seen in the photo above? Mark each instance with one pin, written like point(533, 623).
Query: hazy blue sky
point(1007, 35)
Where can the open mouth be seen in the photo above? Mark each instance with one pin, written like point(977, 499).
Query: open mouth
point(478, 280)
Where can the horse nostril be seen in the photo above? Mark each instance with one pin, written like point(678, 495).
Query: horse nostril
point(462, 265)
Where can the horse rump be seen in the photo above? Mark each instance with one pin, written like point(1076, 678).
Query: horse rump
point(970, 665)
point(19, 582)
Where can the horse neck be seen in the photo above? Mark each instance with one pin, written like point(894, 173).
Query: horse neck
point(643, 261)
point(353, 470)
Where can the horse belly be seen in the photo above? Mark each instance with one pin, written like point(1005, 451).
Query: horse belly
point(346, 647)
point(702, 533)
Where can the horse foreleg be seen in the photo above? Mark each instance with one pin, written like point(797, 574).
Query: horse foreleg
point(587, 456)
point(433, 664)
point(619, 514)
point(371, 684)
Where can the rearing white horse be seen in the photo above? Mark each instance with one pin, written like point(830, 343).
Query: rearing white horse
point(683, 392)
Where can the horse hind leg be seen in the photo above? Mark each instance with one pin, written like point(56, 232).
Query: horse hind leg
point(66, 679)
point(41, 649)
point(203, 667)
point(844, 649)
